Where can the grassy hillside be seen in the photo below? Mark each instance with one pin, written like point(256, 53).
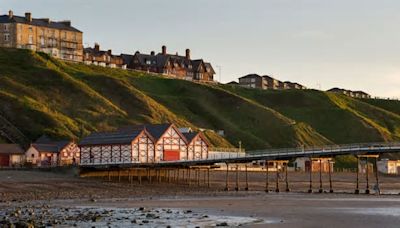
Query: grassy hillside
point(389, 105)
point(41, 95)
point(70, 100)
point(339, 118)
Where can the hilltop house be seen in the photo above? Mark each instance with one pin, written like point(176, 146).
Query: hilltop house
point(95, 56)
point(350, 93)
point(58, 39)
point(147, 143)
point(267, 82)
point(45, 152)
point(11, 155)
point(182, 67)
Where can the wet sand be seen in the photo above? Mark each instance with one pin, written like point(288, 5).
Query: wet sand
point(28, 189)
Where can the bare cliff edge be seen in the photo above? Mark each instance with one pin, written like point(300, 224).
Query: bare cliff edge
point(40, 95)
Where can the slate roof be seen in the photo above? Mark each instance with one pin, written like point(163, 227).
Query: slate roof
point(155, 130)
point(190, 136)
point(11, 149)
point(45, 144)
point(37, 22)
point(125, 136)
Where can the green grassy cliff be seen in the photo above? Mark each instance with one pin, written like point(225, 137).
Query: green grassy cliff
point(41, 95)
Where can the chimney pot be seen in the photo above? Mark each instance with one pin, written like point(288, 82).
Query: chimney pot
point(188, 53)
point(10, 14)
point(164, 50)
point(96, 47)
point(152, 53)
point(28, 16)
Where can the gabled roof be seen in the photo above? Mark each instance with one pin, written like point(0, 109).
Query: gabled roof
point(46, 148)
point(45, 141)
point(125, 136)
point(192, 135)
point(11, 149)
point(38, 22)
point(155, 130)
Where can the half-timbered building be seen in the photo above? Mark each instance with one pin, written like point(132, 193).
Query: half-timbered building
point(197, 145)
point(170, 144)
point(132, 145)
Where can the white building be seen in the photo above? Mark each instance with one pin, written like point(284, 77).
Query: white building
point(387, 166)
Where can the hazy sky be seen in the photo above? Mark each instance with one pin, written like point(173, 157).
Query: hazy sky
point(352, 44)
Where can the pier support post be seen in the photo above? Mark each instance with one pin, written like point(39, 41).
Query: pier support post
point(247, 180)
point(286, 177)
point(227, 177)
point(208, 177)
point(321, 190)
point(189, 178)
point(330, 177)
point(150, 175)
point(310, 173)
point(140, 176)
point(266, 177)
point(367, 176)
point(109, 175)
point(378, 188)
point(198, 177)
point(277, 177)
point(357, 191)
point(205, 177)
point(119, 175)
point(237, 178)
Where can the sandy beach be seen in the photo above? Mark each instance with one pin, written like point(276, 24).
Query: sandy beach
point(64, 200)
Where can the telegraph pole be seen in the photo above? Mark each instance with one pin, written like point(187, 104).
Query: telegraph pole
point(219, 72)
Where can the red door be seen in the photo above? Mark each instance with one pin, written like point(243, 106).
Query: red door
point(171, 155)
point(4, 160)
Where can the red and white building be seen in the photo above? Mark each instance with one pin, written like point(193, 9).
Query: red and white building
point(142, 144)
point(197, 146)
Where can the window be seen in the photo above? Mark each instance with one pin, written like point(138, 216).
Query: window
point(32, 155)
point(6, 37)
point(30, 29)
point(6, 27)
point(30, 39)
point(65, 35)
point(42, 41)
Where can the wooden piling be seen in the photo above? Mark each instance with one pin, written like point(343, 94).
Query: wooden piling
point(119, 175)
point(310, 190)
point(330, 177)
point(208, 177)
point(277, 177)
point(247, 181)
point(227, 177)
point(189, 179)
point(266, 178)
point(367, 176)
point(321, 190)
point(286, 178)
point(378, 188)
point(357, 191)
point(237, 178)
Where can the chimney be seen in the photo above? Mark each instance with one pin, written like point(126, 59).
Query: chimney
point(152, 53)
point(47, 20)
point(28, 17)
point(187, 53)
point(66, 23)
point(97, 47)
point(10, 14)
point(109, 52)
point(164, 50)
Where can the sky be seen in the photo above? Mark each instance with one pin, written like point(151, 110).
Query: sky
point(352, 44)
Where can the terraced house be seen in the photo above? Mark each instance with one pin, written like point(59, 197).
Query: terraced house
point(95, 56)
point(182, 67)
point(58, 39)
